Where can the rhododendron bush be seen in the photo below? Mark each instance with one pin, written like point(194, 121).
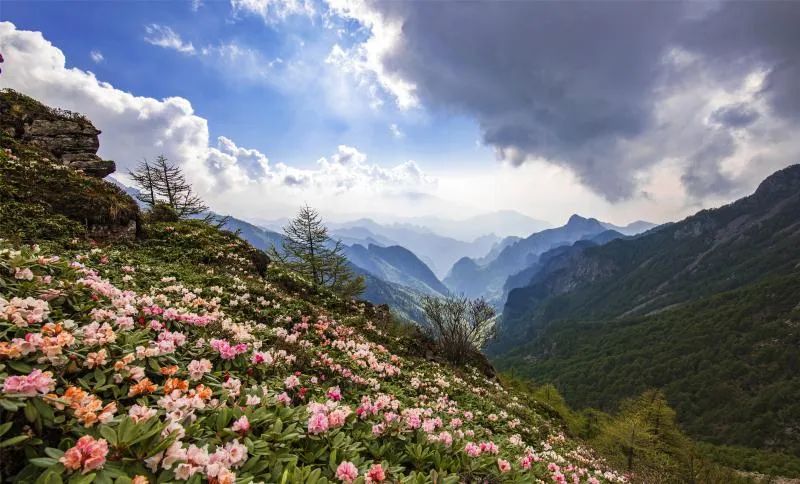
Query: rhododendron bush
point(172, 359)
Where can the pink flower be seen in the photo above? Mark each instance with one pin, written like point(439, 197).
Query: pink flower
point(490, 447)
point(503, 465)
point(24, 274)
point(31, 384)
point(376, 474)
point(347, 472)
point(284, 399)
point(242, 425)
point(139, 413)
point(199, 368)
point(88, 454)
point(337, 417)
point(472, 449)
point(317, 423)
point(291, 381)
point(334, 394)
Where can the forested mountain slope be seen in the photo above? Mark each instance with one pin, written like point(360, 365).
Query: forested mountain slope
point(705, 308)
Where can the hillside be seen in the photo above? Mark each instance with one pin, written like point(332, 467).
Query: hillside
point(134, 349)
point(396, 264)
point(705, 308)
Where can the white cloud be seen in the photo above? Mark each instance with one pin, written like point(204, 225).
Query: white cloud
point(396, 131)
point(163, 36)
point(365, 60)
point(96, 56)
point(232, 178)
point(273, 11)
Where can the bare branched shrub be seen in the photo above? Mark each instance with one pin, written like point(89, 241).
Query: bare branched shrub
point(459, 325)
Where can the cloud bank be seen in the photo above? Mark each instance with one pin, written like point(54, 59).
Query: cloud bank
point(609, 90)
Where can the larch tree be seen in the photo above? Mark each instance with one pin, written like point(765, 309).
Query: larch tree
point(164, 182)
point(145, 178)
point(309, 250)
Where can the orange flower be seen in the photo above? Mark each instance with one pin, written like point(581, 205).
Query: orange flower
point(203, 392)
point(175, 384)
point(50, 329)
point(73, 395)
point(88, 409)
point(9, 350)
point(169, 370)
point(144, 386)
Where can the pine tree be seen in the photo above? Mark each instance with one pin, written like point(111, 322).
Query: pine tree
point(309, 250)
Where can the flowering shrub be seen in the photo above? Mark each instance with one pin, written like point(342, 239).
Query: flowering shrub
point(172, 359)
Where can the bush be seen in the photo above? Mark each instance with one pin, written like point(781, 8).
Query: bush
point(459, 326)
point(162, 212)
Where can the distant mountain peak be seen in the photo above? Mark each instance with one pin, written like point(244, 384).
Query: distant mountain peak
point(578, 221)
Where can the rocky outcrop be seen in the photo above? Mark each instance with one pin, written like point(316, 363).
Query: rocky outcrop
point(69, 138)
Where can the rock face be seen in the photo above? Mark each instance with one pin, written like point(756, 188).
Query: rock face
point(68, 137)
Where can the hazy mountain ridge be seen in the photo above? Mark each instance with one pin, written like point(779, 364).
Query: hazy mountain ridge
point(487, 280)
point(438, 252)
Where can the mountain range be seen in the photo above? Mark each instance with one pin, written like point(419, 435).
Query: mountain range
point(707, 309)
point(487, 277)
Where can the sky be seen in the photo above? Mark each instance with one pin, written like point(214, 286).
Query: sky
point(617, 110)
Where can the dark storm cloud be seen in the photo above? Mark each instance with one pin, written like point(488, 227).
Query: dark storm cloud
point(735, 115)
point(576, 82)
point(740, 36)
point(703, 175)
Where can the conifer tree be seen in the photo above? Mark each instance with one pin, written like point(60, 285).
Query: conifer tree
point(172, 186)
point(163, 182)
point(309, 250)
point(145, 177)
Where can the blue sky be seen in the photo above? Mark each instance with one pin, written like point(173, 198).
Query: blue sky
point(289, 124)
point(397, 109)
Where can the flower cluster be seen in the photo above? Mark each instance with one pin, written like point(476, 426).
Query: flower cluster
point(231, 378)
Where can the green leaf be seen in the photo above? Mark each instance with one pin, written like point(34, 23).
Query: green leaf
point(4, 427)
point(79, 479)
point(30, 412)
point(153, 364)
point(9, 405)
point(14, 440)
point(20, 366)
point(44, 462)
point(54, 453)
point(109, 434)
point(45, 410)
point(50, 476)
point(99, 377)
